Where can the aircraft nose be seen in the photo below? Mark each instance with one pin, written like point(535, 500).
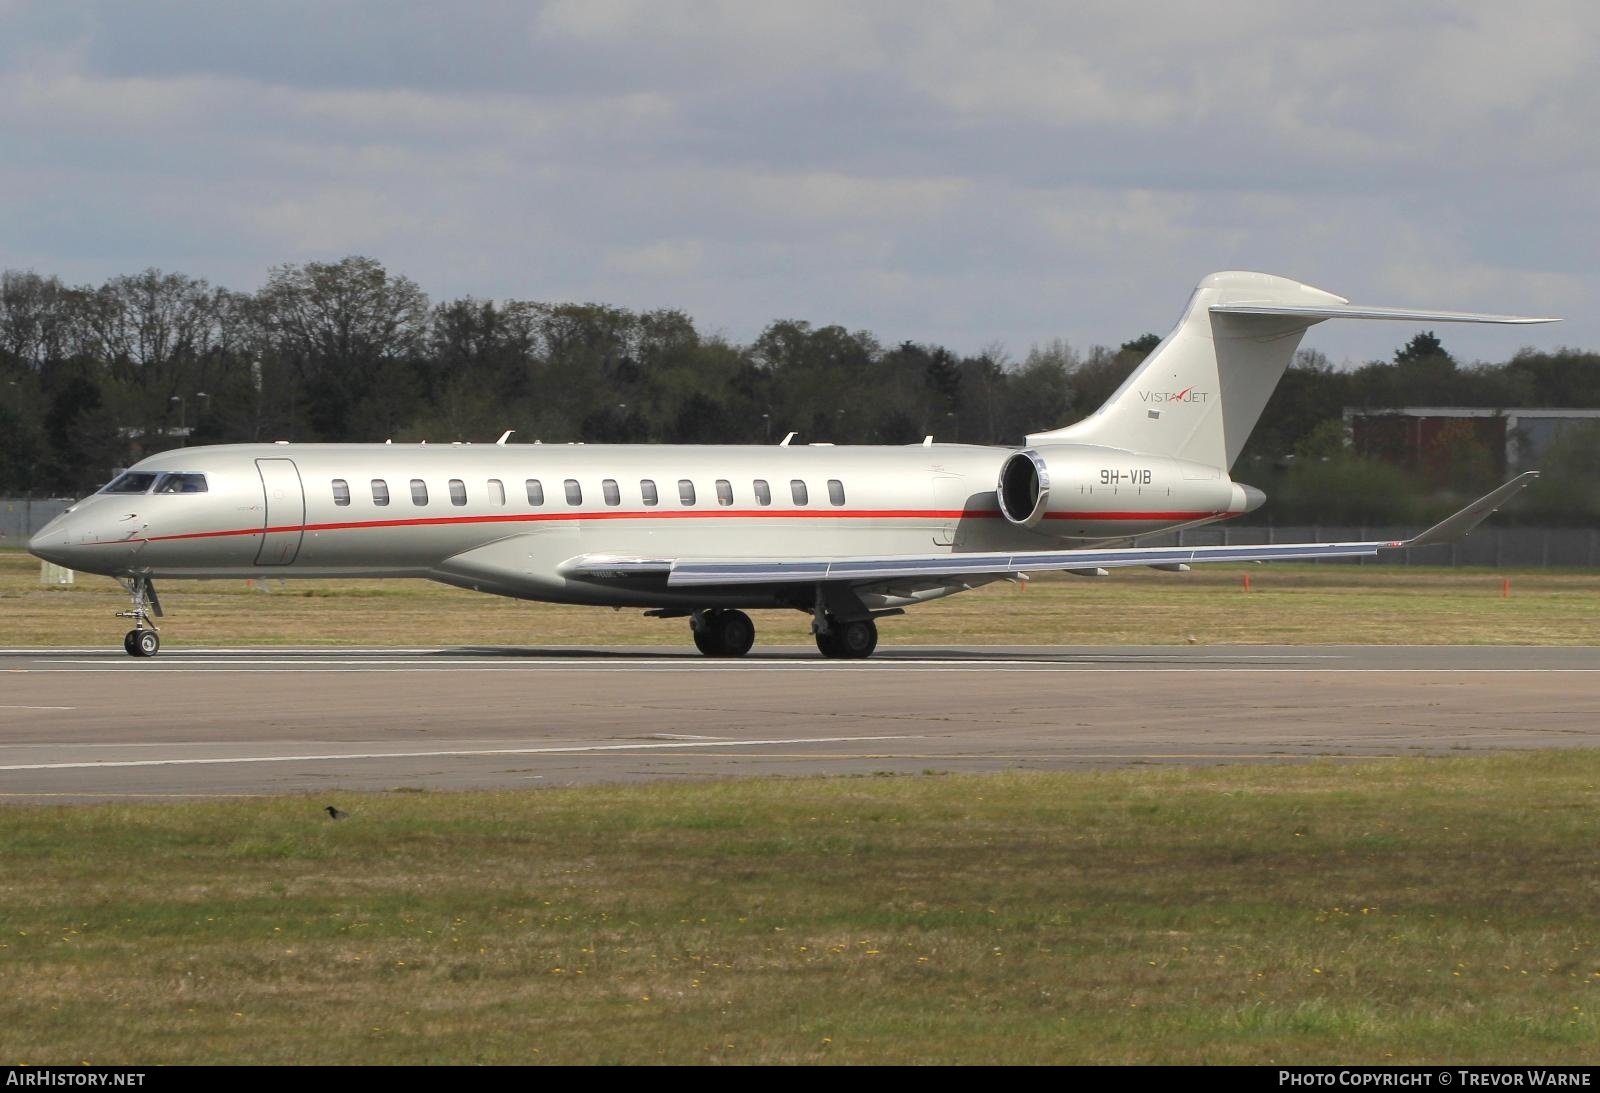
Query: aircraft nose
point(84, 540)
point(51, 544)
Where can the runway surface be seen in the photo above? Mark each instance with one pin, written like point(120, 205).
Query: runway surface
point(91, 724)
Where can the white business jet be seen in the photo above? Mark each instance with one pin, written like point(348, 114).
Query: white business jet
point(848, 534)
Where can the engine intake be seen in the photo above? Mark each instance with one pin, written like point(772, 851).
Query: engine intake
point(1075, 491)
point(1024, 488)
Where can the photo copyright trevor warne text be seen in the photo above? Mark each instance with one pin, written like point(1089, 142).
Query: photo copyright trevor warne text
point(1436, 1077)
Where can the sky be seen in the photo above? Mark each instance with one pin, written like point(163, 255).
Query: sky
point(973, 174)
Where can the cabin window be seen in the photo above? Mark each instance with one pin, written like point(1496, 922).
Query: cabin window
point(574, 492)
point(647, 490)
point(183, 483)
point(797, 490)
point(535, 492)
point(380, 492)
point(686, 491)
point(419, 492)
point(835, 491)
point(613, 494)
point(458, 492)
point(131, 482)
point(497, 491)
point(763, 492)
point(341, 492)
point(724, 492)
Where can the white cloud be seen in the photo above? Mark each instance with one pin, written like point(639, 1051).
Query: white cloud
point(958, 172)
point(664, 258)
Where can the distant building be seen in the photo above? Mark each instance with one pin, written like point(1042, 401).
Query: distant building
point(1433, 440)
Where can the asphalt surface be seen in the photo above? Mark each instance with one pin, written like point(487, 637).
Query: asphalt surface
point(95, 724)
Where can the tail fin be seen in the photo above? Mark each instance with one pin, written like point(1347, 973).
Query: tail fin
point(1202, 390)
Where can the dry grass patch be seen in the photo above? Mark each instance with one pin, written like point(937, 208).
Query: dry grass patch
point(1288, 604)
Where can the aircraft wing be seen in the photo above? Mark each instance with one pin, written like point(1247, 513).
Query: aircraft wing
point(696, 572)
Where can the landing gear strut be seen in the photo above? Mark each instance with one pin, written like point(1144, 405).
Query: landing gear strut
point(854, 640)
point(143, 640)
point(721, 633)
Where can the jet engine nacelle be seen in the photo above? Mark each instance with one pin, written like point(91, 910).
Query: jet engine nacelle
point(1061, 482)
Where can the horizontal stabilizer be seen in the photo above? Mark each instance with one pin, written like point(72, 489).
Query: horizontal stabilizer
point(1318, 312)
point(709, 572)
point(1200, 392)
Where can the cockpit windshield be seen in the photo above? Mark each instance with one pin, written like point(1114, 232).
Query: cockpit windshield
point(181, 483)
point(130, 482)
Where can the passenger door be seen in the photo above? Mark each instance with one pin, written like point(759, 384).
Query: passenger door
point(285, 522)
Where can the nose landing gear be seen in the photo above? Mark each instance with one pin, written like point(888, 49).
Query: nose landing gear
point(143, 640)
point(141, 643)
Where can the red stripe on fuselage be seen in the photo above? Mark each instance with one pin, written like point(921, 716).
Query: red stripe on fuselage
point(674, 514)
point(546, 517)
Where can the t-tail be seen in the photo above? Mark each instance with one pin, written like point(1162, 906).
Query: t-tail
point(1200, 393)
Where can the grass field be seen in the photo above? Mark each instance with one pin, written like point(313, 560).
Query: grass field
point(1387, 912)
point(1401, 911)
point(1287, 604)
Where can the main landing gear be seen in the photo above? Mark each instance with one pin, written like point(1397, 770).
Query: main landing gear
point(143, 640)
point(722, 633)
point(853, 640)
point(844, 627)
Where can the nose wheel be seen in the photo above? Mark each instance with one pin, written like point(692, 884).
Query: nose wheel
point(142, 640)
point(141, 643)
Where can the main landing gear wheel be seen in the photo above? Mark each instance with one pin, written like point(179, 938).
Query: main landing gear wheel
point(848, 640)
point(141, 643)
point(724, 633)
point(828, 644)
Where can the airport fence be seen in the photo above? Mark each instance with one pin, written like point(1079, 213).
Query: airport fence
point(1511, 547)
point(20, 517)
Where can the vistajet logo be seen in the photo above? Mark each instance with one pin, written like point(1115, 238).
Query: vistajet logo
point(1188, 394)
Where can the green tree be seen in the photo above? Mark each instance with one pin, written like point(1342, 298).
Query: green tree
point(343, 327)
point(1567, 491)
point(1038, 393)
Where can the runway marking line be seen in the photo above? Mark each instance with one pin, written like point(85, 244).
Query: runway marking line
point(685, 664)
point(449, 753)
point(885, 667)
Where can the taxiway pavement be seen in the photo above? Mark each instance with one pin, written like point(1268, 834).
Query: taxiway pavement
point(88, 724)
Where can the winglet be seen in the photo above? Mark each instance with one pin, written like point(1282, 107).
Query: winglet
point(1455, 527)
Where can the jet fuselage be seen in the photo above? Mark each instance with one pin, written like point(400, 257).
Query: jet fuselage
point(503, 518)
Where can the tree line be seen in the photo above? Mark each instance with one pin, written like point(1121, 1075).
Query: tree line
point(93, 378)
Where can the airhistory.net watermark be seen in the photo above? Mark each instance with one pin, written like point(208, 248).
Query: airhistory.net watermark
point(49, 1077)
